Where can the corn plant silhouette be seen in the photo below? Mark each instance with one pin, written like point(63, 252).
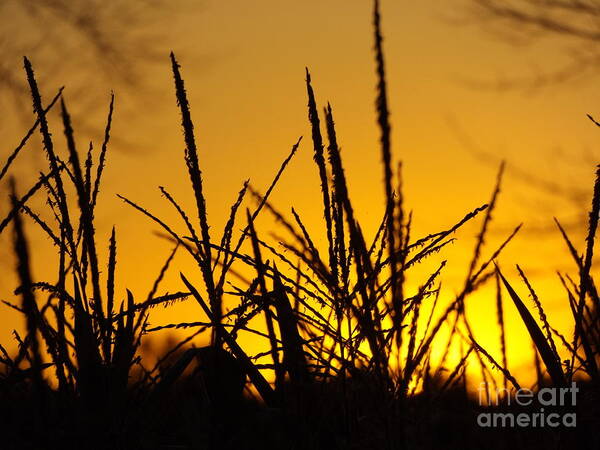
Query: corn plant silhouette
point(349, 343)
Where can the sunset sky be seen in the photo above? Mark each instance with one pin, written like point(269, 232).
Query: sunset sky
point(243, 64)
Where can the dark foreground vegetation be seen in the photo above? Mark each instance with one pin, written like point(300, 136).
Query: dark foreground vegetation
point(349, 344)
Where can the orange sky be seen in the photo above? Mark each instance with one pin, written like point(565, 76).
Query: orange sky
point(243, 63)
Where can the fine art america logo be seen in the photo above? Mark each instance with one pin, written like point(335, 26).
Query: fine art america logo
point(548, 407)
